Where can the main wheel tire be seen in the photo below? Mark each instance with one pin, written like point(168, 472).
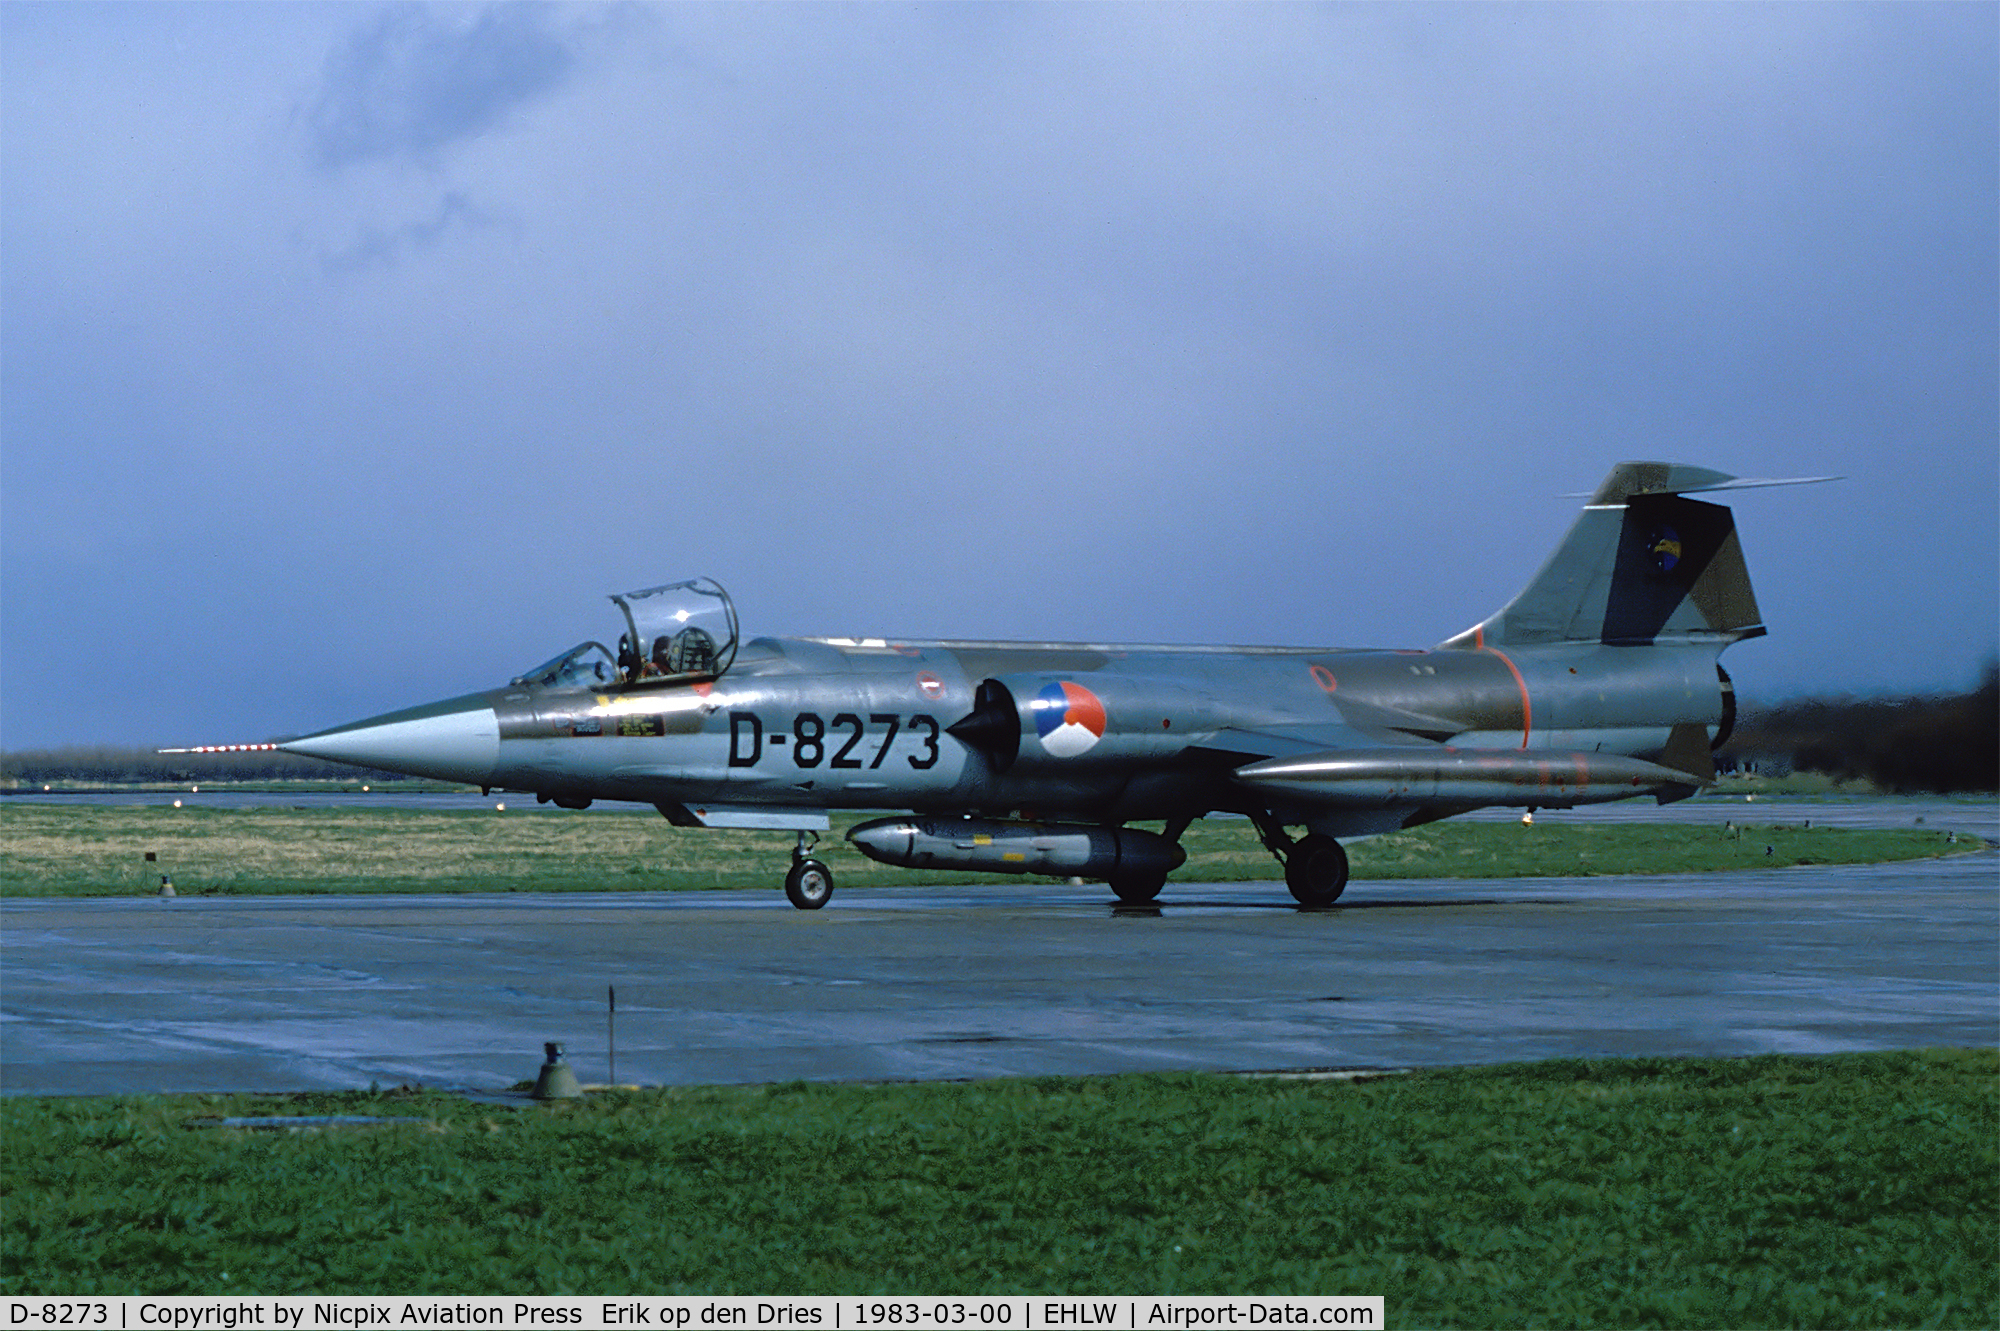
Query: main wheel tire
point(809, 885)
point(1136, 889)
point(1316, 870)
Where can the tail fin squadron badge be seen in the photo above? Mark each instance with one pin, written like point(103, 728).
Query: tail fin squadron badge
point(1666, 549)
point(1069, 718)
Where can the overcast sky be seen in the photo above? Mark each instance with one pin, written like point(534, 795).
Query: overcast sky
point(349, 355)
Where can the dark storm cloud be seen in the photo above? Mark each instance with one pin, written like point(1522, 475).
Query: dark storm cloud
point(415, 81)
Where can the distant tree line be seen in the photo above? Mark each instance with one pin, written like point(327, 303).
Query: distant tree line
point(107, 765)
point(1929, 742)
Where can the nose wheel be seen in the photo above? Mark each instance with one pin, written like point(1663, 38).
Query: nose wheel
point(809, 885)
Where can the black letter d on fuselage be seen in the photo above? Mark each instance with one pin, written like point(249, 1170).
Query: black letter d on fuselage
point(737, 722)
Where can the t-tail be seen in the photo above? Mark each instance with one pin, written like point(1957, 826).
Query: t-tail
point(1643, 564)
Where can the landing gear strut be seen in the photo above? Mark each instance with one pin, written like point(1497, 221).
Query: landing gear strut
point(1315, 865)
point(809, 885)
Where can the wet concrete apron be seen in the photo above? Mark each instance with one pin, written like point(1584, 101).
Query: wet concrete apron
point(295, 993)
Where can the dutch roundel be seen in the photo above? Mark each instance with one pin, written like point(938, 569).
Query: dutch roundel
point(1069, 719)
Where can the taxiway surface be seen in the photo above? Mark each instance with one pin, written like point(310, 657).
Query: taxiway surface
point(297, 993)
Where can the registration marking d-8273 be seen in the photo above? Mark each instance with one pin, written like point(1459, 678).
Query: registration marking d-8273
point(812, 737)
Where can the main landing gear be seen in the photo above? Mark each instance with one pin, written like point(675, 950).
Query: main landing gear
point(809, 885)
point(1315, 865)
point(1137, 887)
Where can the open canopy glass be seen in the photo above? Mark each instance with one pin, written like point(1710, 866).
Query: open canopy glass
point(682, 631)
point(678, 633)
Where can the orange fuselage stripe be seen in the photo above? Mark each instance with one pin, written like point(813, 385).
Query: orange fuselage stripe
point(1527, 709)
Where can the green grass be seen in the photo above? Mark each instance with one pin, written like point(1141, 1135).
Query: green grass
point(95, 850)
point(1850, 1190)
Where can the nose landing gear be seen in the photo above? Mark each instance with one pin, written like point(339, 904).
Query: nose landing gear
point(809, 885)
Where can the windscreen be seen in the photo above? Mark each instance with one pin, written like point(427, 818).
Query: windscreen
point(587, 665)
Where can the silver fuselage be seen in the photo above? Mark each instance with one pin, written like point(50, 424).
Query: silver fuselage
point(798, 727)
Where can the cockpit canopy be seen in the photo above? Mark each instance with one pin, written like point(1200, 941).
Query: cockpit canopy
point(683, 632)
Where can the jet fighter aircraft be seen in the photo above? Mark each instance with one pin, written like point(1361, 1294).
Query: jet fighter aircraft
point(1600, 681)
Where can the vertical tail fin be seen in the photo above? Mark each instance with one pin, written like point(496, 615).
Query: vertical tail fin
point(1641, 564)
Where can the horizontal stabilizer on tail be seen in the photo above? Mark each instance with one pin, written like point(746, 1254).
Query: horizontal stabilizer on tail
point(1668, 478)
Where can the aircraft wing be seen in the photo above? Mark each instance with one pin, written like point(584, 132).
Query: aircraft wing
point(1363, 726)
point(1431, 774)
point(1239, 747)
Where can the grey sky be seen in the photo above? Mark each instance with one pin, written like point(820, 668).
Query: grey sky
point(350, 354)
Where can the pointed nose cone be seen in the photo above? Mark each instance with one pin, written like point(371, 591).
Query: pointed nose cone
point(454, 740)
